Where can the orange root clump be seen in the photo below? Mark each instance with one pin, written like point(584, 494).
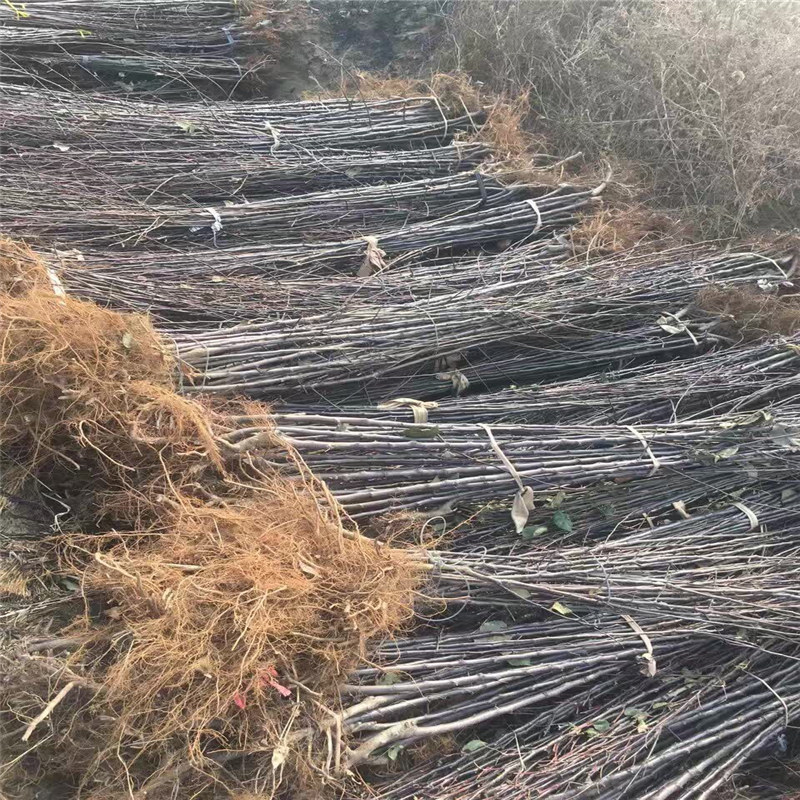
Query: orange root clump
point(226, 598)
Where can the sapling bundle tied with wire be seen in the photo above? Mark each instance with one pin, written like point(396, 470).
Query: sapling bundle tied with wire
point(734, 564)
point(374, 466)
point(171, 48)
point(246, 297)
point(512, 219)
point(723, 380)
point(677, 736)
point(66, 180)
point(299, 218)
point(476, 675)
point(533, 328)
point(225, 597)
point(549, 690)
point(90, 122)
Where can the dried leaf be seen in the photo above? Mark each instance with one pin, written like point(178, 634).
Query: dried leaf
point(557, 499)
point(308, 569)
point(786, 437)
point(492, 625)
point(238, 699)
point(127, 340)
point(561, 608)
point(667, 324)
point(279, 755)
point(61, 146)
point(519, 662)
point(373, 259)
point(521, 508)
point(421, 432)
point(459, 380)
point(389, 679)
point(649, 666)
point(726, 452)
point(756, 418)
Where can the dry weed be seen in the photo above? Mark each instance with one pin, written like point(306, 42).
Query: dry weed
point(702, 92)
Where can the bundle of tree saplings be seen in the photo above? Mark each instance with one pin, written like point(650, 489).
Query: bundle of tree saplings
point(543, 648)
point(171, 47)
point(551, 324)
point(722, 380)
point(220, 597)
point(374, 466)
point(37, 118)
point(301, 217)
point(680, 734)
point(49, 178)
point(246, 297)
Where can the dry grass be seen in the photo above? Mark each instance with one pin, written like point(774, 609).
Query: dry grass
point(749, 314)
point(701, 92)
point(454, 92)
point(226, 598)
point(618, 228)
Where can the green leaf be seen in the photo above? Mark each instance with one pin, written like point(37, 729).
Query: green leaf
point(561, 608)
point(394, 751)
point(389, 679)
point(519, 662)
point(557, 499)
point(493, 625)
point(562, 521)
point(634, 712)
point(421, 432)
point(520, 592)
point(532, 531)
point(639, 717)
point(606, 510)
point(472, 746)
point(601, 725)
point(660, 704)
